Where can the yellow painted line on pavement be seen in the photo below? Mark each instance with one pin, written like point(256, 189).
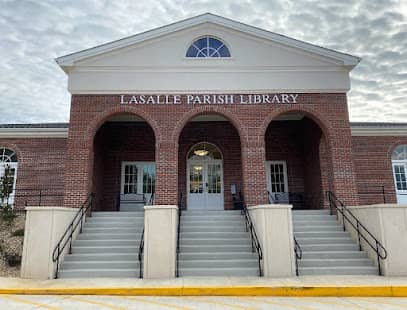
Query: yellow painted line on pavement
point(94, 302)
point(29, 302)
point(293, 291)
point(218, 303)
point(157, 303)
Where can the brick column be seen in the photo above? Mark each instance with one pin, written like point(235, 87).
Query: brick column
point(78, 170)
point(166, 165)
point(254, 171)
point(343, 169)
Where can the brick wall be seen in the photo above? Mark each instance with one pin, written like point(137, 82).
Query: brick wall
point(41, 167)
point(329, 111)
point(372, 157)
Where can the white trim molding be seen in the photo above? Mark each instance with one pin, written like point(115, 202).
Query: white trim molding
point(379, 129)
point(34, 133)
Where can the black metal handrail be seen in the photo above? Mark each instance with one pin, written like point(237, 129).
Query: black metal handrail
point(339, 206)
point(67, 236)
point(178, 232)
point(250, 228)
point(140, 255)
point(297, 247)
point(141, 246)
point(298, 254)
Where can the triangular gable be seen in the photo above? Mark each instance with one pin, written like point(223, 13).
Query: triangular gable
point(344, 59)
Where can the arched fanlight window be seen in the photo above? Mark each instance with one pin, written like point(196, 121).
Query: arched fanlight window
point(208, 47)
point(400, 153)
point(204, 150)
point(7, 156)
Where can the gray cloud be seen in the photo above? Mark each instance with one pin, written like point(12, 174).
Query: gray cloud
point(34, 32)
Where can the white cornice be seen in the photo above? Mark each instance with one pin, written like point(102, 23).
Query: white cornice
point(69, 60)
point(33, 132)
point(379, 130)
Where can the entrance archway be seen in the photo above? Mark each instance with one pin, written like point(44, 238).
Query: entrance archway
point(216, 133)
point(205, 177)
point(297, 165)
point(124, 163)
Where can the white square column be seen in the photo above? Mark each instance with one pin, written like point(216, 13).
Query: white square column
point(160, 241)
point(274, 228)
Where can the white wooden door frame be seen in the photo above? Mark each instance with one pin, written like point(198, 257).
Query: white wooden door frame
point(204, 203)
point(401, 199)
point(140, 165)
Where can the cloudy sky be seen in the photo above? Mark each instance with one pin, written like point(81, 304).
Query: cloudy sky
point(33, 33)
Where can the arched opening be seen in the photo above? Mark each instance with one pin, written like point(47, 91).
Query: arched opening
point(124, 163)
point(8, 173)
point(296, 161)
point(399, 166)
point(209, 163)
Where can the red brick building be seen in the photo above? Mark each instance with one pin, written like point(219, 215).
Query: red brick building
point(198, 111)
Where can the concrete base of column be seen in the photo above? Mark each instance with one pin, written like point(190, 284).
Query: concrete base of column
point(160, 241)
point(274, 228)
point(44, 227)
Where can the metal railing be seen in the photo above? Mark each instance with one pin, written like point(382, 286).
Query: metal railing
point(141, 246)
point(38, 197)
point(178, 232)
point(298, 254)
point(297, 247)
point(68, 235)
point(250, 228)
point(299, 200)
point(362, 231)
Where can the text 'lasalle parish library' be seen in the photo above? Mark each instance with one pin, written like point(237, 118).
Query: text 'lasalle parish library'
point(208, 147)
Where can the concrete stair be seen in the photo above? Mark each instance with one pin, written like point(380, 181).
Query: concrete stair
point(107, 247)
point(215, 243)
point(326, 248)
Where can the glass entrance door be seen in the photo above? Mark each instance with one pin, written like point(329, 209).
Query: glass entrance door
point(205, 185)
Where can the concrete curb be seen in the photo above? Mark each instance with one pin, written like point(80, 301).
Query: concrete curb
point(300, 291)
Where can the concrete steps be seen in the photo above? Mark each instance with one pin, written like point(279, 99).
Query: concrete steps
point(107, 247)
point(215, 243)
point(327, 249)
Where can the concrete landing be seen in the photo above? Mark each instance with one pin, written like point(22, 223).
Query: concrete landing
point(350, 286)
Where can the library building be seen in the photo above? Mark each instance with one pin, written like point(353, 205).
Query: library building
point(208, 147)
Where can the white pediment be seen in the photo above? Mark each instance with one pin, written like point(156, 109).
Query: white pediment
point(257, 56)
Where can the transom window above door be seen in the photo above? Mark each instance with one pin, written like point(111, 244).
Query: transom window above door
point(203, 151)
point(208, 47)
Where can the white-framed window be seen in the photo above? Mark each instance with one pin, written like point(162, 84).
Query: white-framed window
point(208, 47)
point(138, 178)
point(277, 176)
point(8, 160)
point(399, 166)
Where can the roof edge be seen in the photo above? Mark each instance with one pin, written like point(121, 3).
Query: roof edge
point(70, 59)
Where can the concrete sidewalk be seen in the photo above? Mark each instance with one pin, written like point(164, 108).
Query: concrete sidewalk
point(295, 286)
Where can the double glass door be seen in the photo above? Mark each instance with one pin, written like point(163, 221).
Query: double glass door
point(205, 185)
